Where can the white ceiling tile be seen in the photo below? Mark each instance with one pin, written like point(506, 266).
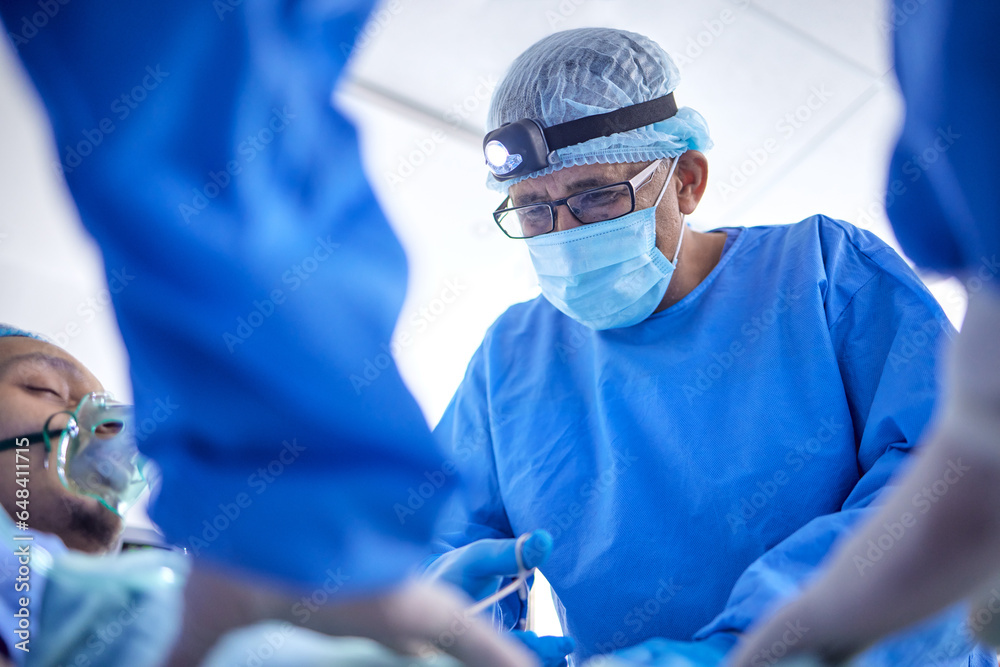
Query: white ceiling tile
point(856, 30)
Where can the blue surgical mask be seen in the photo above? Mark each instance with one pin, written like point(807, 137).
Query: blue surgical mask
point(606, 275)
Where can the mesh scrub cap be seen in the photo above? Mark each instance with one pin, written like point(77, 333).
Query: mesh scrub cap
point(589, 71)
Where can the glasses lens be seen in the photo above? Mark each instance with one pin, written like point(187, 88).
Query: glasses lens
point(601, 204)
point(526, 221)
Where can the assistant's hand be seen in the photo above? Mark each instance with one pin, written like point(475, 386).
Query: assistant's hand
point(479, 567)
point(409, 619)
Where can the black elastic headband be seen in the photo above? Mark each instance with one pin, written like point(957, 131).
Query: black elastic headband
point(525, 146)
point(625, 119)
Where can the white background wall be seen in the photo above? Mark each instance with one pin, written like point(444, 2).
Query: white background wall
point(419, 88)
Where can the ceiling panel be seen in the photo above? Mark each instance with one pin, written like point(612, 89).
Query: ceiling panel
point(855, 31)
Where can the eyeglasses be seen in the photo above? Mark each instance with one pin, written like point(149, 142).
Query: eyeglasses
point(94, 450)
point(594, 205)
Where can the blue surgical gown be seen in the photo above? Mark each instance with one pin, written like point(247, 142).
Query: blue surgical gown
point(255, 280)
point(942, 197)
point(696, 467)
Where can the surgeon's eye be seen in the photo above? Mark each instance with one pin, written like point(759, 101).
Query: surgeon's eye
point(600, 198)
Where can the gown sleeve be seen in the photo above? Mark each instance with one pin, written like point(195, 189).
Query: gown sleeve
point(941, 196)
point(886, 334)
point(255, 280)
point(476, 511)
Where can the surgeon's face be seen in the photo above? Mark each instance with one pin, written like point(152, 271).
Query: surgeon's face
point(682, 194)
point(37, 380)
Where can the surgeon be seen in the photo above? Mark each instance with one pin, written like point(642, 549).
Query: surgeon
point(694, 417)
point(946, 59)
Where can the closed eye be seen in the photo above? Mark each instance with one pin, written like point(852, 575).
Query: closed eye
point(43, 390)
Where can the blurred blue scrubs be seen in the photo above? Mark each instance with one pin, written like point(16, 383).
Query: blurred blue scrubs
point(942, 197)
point(696, 467)
point(254, 277)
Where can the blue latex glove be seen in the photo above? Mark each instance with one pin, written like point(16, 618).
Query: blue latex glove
point(479, 567)
point(659, 652)
point(552, 651)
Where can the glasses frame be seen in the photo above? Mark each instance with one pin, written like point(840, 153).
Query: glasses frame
point(633, 185)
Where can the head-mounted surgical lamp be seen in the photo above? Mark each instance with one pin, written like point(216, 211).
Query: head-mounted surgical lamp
point(525, 146)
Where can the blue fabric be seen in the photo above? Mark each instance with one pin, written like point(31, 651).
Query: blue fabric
point(942, 199)
point(199, 143)
point(696, 467)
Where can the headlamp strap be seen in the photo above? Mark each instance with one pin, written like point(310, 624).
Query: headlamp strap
point(625, 119)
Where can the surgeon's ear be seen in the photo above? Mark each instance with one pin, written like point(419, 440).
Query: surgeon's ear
point(692, 171)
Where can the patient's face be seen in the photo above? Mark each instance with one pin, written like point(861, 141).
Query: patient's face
point(37, 380)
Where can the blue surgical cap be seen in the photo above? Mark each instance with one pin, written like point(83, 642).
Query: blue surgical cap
point(8, 330)
point(588, 71)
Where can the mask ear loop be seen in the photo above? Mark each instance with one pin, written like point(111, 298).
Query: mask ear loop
point(519, 584)
point(663, 190)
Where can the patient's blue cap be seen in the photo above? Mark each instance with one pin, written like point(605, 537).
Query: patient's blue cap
point(8, 330)
point(588, 71)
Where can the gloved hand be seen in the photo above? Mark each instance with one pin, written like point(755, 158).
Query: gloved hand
point(479, 567)
point(552, 651)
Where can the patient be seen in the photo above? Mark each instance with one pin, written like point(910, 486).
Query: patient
point(38, 379)
point(84, 603)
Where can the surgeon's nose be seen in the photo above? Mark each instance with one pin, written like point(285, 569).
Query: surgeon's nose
point(565, 219)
